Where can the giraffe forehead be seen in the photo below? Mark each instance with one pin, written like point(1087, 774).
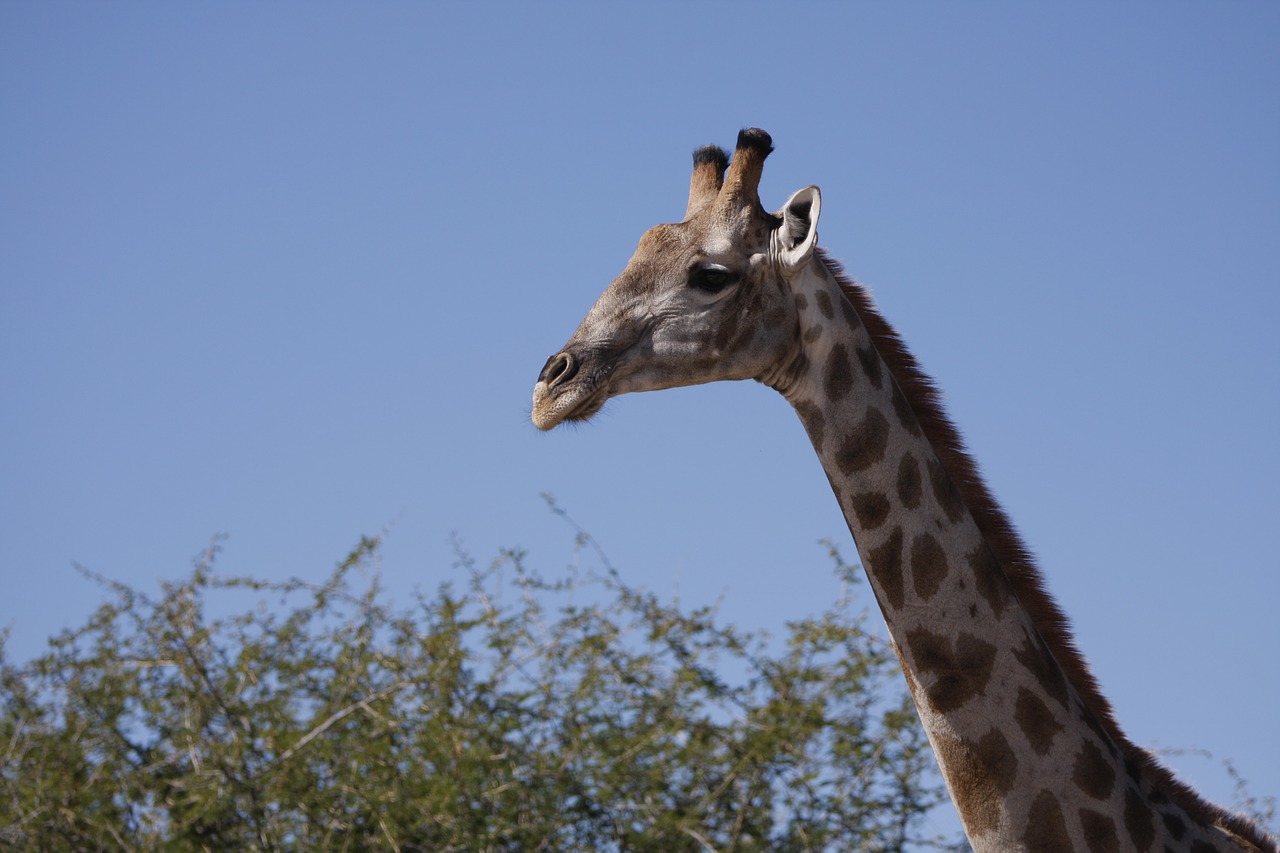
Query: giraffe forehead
point(711, 233)
point(681, 236)
point(717, 243)
point(664, 245)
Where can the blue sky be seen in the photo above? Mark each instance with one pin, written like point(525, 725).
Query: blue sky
point(287, 273)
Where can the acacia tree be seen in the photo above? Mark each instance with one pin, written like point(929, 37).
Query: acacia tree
point(504, 713)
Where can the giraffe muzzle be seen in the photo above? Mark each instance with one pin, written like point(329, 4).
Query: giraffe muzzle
point(562, 393)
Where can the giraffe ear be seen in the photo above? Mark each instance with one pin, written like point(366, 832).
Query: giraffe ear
point(797, 236)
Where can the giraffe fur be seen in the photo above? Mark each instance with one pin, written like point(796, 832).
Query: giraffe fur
point(1027, 743)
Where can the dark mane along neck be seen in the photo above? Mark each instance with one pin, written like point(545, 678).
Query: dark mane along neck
point(1017, 563)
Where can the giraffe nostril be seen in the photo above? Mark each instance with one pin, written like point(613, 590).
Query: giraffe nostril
point(559, 368)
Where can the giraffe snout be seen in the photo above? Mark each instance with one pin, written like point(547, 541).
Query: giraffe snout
point(557, 397)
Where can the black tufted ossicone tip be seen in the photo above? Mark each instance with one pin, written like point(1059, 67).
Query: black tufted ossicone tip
point(713, 155)
point(755, 139)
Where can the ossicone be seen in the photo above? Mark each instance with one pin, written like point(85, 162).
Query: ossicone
point(742, 183)
point(709, 163)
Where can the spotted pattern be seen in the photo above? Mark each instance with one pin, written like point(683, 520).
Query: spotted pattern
point(902, 409)
point(909, 484)
point(961, 669)
point(944, 491)
point(1092, 772)
point(990, 579)
point(865, 445)
point(949, 668)
point(1094, 726)
point(1036, 721)
point(837, 376)
point(871, 508)
point(851, 318)
point(1175, 824)
point(870, 362)
point(885, 565)
point(825, 306)
point(1099, 832)
point(979, 775)
point(1138, 822)
point(928, 565)
point(1046, 828)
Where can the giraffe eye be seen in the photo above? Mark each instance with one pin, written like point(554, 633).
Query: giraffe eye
point(713, 278)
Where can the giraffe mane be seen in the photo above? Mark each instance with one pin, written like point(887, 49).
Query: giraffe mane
point(1017, 562)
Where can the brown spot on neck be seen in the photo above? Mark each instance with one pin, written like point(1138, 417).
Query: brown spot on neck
point(944, 491)
point(961, 669)
point(871, 508)
point(1099, 832)
point(1138, 821)
point(979, 776)
point(928, 565)
point(837, 374)
point(1046, 829)
point(1092, 772)
point(909, 484)
point(1176, 825)
point(884, 563)
point(870, 364)
point(825, 305)
point(864, 446)
point(1036, 721)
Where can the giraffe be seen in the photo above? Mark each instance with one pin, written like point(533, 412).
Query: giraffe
point(1027, 744)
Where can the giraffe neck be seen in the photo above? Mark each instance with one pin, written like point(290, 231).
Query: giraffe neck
point(1026, 744)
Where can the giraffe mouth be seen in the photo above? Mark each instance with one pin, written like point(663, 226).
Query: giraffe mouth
point(553, 405)
point(566, 392)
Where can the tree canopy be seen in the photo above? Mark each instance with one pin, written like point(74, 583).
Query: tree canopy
point(502, 712)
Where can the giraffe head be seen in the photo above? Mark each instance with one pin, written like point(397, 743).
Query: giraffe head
point(701, 300)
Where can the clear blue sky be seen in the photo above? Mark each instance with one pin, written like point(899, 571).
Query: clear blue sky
point(288, 272)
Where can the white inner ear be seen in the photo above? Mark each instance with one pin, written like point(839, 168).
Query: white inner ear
point(799, 231)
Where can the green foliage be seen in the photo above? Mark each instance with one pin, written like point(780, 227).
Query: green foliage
point(514, 714)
